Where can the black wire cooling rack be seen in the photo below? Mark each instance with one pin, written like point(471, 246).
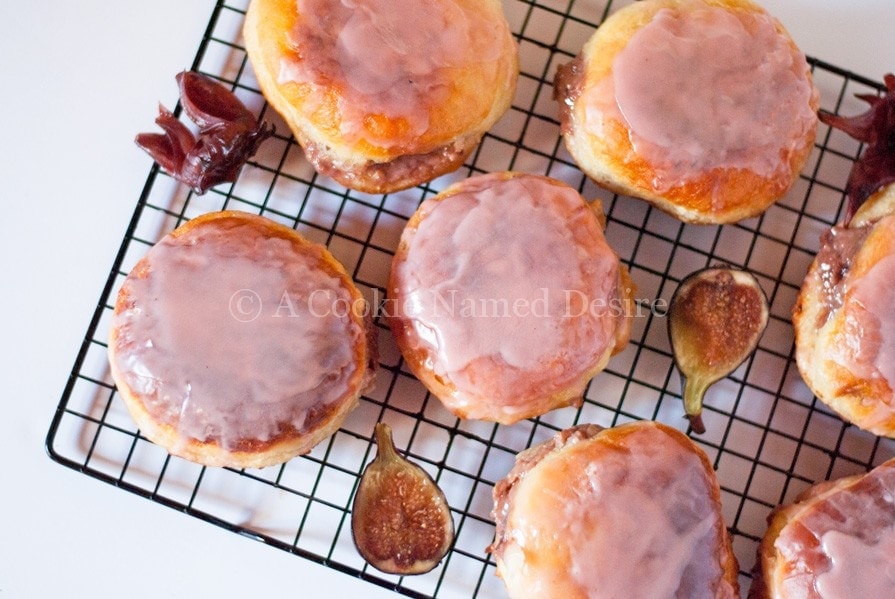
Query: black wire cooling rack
point(767, 436)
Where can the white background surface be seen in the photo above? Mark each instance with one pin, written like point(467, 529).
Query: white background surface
point(79, 79)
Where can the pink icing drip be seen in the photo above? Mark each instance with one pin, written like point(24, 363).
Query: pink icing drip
point(704, 88)
point(233, 336)
point(493, 273)
point(393, 56)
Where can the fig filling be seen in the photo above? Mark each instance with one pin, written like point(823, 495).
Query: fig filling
point(378, 176)
point(567, 87)
point(838, 248)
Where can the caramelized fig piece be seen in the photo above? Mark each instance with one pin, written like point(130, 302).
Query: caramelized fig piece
point(716, 317)
point(875, 168)
point(229, 134)
point(400, 519)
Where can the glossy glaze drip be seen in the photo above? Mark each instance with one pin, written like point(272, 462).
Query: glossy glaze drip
point(638, 522)
point(387, 58)
point(516, 273)
point(234, 336)
point(704, 87)
point(845, 537)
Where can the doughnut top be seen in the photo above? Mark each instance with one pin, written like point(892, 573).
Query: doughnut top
point(235, 334)
point(508, 286)
point(389, 60)
point(692, 86)
point(635, 499)
point(841, 544)
point(704, 108)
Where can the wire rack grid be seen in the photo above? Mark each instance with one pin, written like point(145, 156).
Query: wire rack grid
point(767, 436)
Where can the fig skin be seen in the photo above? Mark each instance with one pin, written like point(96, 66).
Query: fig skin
point(716, 318)
point(401, 522)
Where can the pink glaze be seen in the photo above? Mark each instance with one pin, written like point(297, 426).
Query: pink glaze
point(867, 345)
point(390, 57)
point(844, 545)
point(234, 335)
point(639, 522)
point(859, 569)
point(702, 88)
point(512, 278)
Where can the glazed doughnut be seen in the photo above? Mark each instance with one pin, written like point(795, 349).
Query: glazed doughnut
point(836, 541)
point(236, 342)
point(844, 323)
point(630, 511)
point(705, 108)
point(505, 298)
point(384, 95)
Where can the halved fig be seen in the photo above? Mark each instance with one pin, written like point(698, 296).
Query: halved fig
point(400, 520)
point(716, 317)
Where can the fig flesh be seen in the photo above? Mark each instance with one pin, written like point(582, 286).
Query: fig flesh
point(716, 318)
point(400, 521)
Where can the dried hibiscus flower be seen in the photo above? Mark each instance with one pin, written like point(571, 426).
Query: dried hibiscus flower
point(229, 134)
point(875, 168)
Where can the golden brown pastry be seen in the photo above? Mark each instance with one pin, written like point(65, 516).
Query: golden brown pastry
point(384, 95)
point(844, 322)
point(627, 512)
point(836, 541)
point(504, 297)
point(705, 108)
point(236, 342)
